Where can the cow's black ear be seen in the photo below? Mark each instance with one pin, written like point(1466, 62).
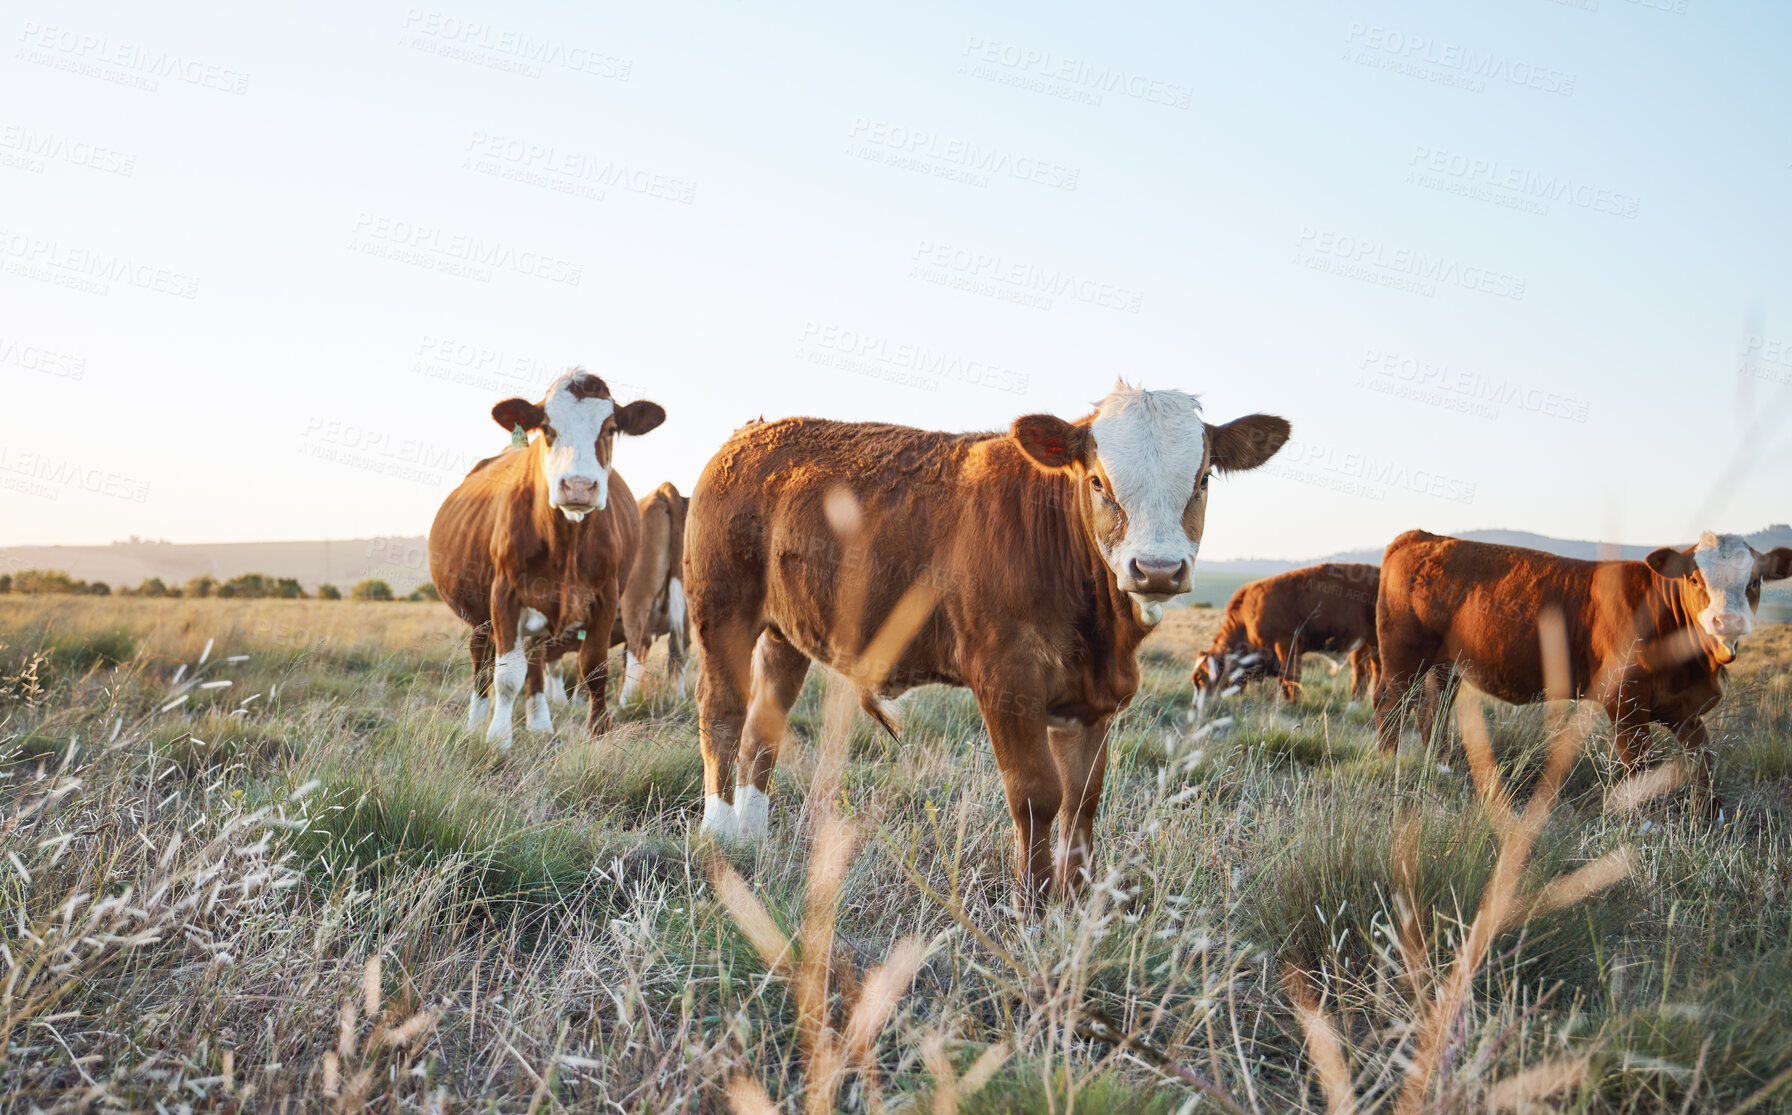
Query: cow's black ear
point(512, 413)
point(1244, 443)
point(639, 417)
point(1670, 562)
point(1776, 564)
point(1050, 441)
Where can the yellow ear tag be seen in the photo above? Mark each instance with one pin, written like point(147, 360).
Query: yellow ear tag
point(518, 438)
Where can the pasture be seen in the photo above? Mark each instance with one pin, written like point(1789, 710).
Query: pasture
point(313, 888)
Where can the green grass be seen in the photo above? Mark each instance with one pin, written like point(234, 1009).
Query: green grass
point(551, 908)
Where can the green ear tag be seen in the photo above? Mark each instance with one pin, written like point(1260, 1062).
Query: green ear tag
point(518, 438)
point(581, 634)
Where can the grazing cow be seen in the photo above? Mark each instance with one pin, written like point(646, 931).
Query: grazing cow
point(535, 543)
point(1270, 623)
point(1647, 639)
point(1052, 547)
point(652, 600)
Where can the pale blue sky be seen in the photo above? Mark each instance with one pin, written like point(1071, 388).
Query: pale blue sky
point(1626, 168)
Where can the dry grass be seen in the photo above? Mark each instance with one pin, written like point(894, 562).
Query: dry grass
point(313, 887)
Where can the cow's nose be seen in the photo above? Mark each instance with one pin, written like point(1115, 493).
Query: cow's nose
point(1731, 626)
point(1151, 575)
point(581, 493)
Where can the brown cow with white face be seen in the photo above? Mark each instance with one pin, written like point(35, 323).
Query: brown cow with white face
point(535, 544)
point(1052, 545)
point(1269, 624)
point(1647, 639)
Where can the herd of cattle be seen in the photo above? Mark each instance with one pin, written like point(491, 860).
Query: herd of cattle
point(1048, 552)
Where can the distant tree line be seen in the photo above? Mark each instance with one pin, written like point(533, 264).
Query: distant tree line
point(246, 586)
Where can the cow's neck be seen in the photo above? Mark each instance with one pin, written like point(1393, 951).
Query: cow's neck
point(1677, 639)
point(1110, 619)
point(563, 540)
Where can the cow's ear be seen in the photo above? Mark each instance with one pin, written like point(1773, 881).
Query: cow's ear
point(512, 413)
point(1052, 442)
point(1776, 564)
point(1670, 562)
point(1244, 443)
point(639, 417)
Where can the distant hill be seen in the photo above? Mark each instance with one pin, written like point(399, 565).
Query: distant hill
point(402, 562)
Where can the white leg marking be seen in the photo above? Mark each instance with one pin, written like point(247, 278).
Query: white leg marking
point(554, 684)
point(631, 678)
point(675, 620)
point(678, 685)
point(512, 669)
point(719, 819)
point(536, 715)
point(752, 812)
point(479, 713)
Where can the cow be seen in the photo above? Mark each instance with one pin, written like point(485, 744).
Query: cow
point(1270, 623)
point(1648, 639)
point(535, 543)
point(1051, 547)
point(652, 601)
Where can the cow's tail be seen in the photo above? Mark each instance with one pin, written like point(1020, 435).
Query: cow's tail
point(881, 713)
point(676, 628)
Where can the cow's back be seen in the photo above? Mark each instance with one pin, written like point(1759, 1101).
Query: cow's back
point(1480, 603)
point(967, 513)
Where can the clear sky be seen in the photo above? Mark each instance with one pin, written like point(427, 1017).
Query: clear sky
point(1526, 264)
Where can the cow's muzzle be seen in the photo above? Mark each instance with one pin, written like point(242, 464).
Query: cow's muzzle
point(1729, 627)
point(1155, 579)
point(577, 494)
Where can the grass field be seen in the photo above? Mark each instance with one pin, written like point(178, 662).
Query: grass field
point(293, 880)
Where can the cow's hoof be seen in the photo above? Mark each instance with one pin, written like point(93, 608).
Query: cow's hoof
point(537, 717)
point(752, 812)
point(719, 819)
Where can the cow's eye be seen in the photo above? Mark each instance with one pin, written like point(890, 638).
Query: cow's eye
point(1205, 477)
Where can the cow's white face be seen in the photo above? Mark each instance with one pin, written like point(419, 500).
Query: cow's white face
point(1730, 573)
point(1727, 566)
point(578, 422)
point(1143, 462)
point(575, 462)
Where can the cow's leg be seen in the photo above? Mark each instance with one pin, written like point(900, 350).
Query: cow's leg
point(1431, 701)
point(778, 672)
point(1081, 754)
point(512, 668)
point(594, 660)
point(535, 706)
point(1287, 659)
point(1360, 667)
point(479, 648)
point(678, 635)
point(554, 671)
point(1402, 672)
point(1030, 779)
point(724, 673)
point(1697, 742)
